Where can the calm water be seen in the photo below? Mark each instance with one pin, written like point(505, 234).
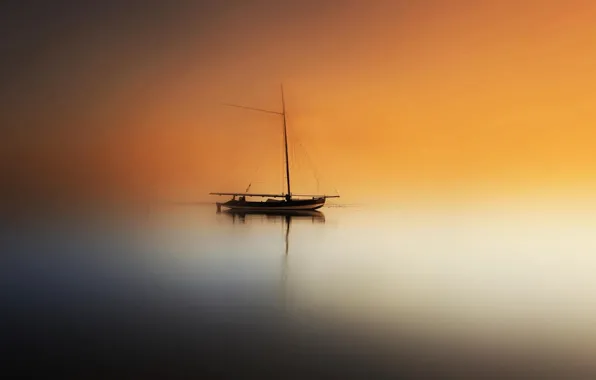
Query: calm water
point(349, 293)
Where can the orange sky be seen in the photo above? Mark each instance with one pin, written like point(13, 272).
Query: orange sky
point(388, 97)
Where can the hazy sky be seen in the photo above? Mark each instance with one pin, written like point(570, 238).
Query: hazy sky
point(388, 97)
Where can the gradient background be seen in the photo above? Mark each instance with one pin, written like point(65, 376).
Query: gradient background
point(397, 103)
point(392, 99)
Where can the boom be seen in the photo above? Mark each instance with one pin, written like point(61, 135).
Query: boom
point(276, 195)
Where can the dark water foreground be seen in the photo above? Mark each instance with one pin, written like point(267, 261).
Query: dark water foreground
point(215, 297)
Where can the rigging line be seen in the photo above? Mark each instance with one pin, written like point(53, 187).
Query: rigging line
point(308, 157)
point(295, 162)
point(292, 146)
point(311, 162)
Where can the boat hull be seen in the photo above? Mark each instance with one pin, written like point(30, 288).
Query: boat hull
point(275, 206)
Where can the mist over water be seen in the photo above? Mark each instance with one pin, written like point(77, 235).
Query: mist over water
point(352, 292)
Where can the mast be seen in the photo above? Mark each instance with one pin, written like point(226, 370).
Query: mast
point(283, 103)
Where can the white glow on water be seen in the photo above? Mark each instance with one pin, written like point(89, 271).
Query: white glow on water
point(505, 274)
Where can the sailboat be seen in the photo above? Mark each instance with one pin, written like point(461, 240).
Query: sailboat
point(285, 202)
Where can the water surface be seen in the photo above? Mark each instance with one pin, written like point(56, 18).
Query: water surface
point(352, 292)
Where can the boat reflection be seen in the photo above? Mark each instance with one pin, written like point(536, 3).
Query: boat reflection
point(284, 217)
point(274, 216)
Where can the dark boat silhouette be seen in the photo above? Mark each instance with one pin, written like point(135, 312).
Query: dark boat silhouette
point(274, 202)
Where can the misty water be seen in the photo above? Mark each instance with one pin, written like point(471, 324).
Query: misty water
point(351, 292)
